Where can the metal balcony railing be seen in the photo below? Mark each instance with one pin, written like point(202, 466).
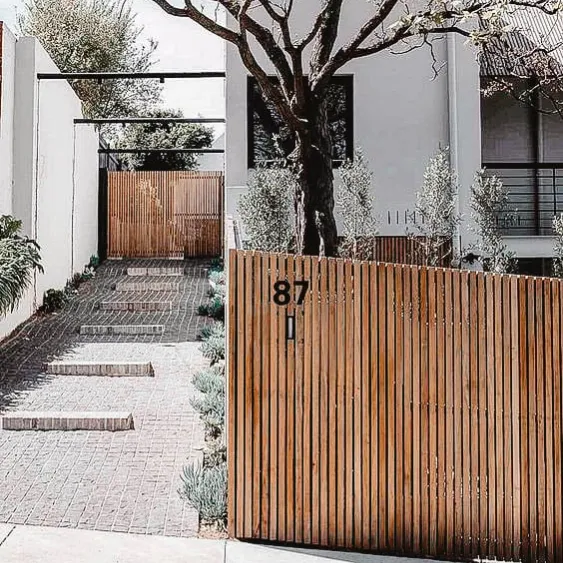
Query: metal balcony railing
point(535, 196)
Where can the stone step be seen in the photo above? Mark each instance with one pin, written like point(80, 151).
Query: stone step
point(74, 420)
point(135, 305)
point(147, 286)
point(122, 329)
point(155, 272)
point(107, 369)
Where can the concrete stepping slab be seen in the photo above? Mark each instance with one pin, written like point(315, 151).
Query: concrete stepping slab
point(110, 421)
point(135, 305)
point(107, 369)
point(155, 272)
point(122, 329)
point(147, 286)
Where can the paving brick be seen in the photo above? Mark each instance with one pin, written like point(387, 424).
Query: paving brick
point(136, 305)
point(76, 420)
point(122, 329)
point(143, 286)
point(158, 271)
point(110, 369)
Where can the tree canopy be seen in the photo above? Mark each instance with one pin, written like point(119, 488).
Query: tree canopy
point(164, 136)
point(96, 36)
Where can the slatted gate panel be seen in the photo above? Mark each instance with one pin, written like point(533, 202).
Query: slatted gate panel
point(165, 213)
point(407, 410)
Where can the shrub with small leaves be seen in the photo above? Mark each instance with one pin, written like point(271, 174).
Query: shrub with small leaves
point(355, 203)
point(205, 488)
point(558, 248)
point(436, 213)
point(489, 205)
point(53, 300)
point(213, 347)
point(266, 209)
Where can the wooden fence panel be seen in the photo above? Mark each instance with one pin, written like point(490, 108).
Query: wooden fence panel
point(397, 409)
point(165, 213)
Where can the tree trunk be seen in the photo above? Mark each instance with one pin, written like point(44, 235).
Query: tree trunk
point(314, 199)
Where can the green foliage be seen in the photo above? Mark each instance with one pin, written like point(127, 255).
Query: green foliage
point(54, 299)
point(437, 218)
point(210, 404)
point(96, 36)
point(213, 347)
point(355, 203)
point(217, 277)
point(558, 248)
point(216, 265)
point(94, 262)
point(210, 380)
point(214, 309)
point(205, 488)
point(164, 136)
point(489, 204)
point(19, 258)
point(266, 209)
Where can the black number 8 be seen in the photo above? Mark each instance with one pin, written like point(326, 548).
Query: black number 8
point(282, 295)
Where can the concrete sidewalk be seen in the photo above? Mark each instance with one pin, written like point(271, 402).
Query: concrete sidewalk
point(35, 544)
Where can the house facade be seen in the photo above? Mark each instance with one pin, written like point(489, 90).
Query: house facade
point(400, 109)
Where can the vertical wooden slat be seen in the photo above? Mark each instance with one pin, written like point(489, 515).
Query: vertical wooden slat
point(325, 441)
point(349, 404)
point(398, 408)
point(341, 320)
point(357, 404)
point(289, 451)
point(265, 375)
point(382, 408)
point(274, 402)
point(332, 386)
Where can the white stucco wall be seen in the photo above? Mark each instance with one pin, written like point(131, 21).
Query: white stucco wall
point(7, 93)
point(55, 175)
point(402, 116)
point(213, 162)
point(85, 228)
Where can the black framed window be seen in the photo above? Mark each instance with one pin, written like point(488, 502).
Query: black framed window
point(267, 134)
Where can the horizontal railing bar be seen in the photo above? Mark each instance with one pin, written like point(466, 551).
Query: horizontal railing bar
point(126, 75)
point(160, 120)
point(522, 165)
point(181, 151)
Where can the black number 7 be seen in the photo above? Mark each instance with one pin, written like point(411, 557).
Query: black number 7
point(304, 287)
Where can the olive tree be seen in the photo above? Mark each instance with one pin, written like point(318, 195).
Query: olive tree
point(95, 36)
point(305, 64)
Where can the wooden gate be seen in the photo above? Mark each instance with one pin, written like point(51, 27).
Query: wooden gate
point(165, 214)
point(395, 409)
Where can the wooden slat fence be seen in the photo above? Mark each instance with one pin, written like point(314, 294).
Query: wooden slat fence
point(406, 250)
point(413, 410)
point(165, 213)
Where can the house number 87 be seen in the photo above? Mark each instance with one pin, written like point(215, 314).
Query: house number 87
point(282, 292)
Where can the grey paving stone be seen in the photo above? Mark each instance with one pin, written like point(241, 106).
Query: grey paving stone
point(72, 420)
point(106, 369)
point(122, 329)
point(141, 306)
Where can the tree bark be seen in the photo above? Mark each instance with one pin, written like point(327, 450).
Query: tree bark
point(314, 198)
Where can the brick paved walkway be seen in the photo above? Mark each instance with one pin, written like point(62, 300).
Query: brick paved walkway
point(124, 481)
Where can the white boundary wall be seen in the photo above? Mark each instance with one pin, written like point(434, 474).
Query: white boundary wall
point(48, 169)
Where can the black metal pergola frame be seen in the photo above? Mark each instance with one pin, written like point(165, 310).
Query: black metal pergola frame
point(161, 76)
